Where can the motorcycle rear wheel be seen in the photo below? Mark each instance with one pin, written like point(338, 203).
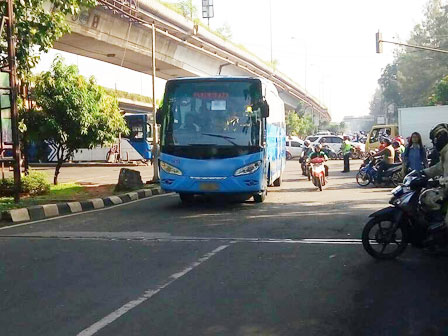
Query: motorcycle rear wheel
point(363, 179)
point(397, 178)
point(319, 183)
point(383, 238)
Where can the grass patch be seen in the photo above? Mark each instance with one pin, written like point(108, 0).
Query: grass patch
point(64, 192)
point(58, 193)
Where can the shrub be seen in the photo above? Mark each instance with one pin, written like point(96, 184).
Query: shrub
point(7, 187)
point(34, 184)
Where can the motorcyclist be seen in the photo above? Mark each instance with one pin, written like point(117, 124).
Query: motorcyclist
point(305, 152)
point(319, 153)
point(388, 154)
point(397, 147)
point(439, 137)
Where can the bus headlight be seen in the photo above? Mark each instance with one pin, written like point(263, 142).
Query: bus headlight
point(249, 169)
point(167, 168)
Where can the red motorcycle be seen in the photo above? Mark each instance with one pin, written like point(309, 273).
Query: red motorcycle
point(318, 172)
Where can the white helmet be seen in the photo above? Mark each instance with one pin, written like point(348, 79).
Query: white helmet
point(431, 199)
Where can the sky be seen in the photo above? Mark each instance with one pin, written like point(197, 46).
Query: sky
point(326, 46)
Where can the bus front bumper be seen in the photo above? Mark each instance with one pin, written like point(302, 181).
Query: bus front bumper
point(206, 185)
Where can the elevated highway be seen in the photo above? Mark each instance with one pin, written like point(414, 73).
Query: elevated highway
point(120, 32)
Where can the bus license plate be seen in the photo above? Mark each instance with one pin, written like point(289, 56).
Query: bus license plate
point(208, 186)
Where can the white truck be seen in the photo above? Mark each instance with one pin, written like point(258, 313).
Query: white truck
point(412, 119)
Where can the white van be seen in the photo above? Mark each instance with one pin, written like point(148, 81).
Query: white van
point(332, 141)
point(294, 147)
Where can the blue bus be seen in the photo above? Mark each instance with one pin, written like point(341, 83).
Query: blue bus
point(140, 137)
point(221, 135)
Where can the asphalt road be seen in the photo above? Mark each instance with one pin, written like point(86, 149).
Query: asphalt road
point(290, 266)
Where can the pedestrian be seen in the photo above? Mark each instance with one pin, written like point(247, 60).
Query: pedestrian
point(346, 150)
point(414, 157)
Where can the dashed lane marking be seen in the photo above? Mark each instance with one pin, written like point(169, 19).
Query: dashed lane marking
point(105, 321)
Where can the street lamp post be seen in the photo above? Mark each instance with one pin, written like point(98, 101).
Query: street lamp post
point(155, 147)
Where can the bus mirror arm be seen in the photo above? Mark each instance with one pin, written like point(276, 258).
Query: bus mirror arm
point(264, 109)
point(159, 117)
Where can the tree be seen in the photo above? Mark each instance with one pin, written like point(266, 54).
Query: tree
point(298, 126)
point(440, 95)
point(39, 23)
point(409, 80)
point(71, 113)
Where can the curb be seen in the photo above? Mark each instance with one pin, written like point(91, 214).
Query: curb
point(88, 164)
point(38, 212)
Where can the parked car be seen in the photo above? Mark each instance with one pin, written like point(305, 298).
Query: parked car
point(332, 141)
point(293, 148)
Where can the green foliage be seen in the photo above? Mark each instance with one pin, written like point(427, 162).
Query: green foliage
point(409, 80)
point(298, 126)
point(35, 183)
point(72, 112)
point(333, 127)
point(39, 23)
point(225, 31)
point(183, 7)
point(128, 95)
point(440, 95)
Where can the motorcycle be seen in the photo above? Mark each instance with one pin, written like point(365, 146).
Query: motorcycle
point(357, 153)
point(368, 173)
point(317, 172)
point(408, 220)
point(331, 154)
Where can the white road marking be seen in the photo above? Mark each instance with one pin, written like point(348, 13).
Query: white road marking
point(94, 328)
point(82, 213)
point(167, 237)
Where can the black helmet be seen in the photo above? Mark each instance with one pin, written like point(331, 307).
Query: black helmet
point(439, 136)
point(387, 141)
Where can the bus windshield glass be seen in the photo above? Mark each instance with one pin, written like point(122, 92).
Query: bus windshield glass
point(212, 113)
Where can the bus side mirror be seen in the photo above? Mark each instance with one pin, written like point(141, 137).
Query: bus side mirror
point(159, 117)
point(264, 109)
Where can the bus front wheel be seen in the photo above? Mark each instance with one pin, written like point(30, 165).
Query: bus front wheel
point(186, 198)
point(278, 182)
point(260, 197)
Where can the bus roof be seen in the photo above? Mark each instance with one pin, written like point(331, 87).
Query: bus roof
point(214, 78)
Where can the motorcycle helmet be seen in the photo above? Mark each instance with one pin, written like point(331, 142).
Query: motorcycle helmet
point(432, 199)
point(387, 141)
point(439, 136)
point(306, 143)
point(318, 147)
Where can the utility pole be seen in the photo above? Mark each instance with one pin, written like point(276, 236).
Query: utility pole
point(13, 98)
point(270, 31)
point(380, 41)
point(155, 145)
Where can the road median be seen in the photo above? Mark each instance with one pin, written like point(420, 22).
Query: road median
point(44, 211)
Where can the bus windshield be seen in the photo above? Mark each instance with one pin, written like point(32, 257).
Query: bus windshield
point(212, 113)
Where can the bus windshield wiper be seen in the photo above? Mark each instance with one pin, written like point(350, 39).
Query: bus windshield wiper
point(229, 139)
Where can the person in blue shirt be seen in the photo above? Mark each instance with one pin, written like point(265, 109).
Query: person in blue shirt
point(414, 156)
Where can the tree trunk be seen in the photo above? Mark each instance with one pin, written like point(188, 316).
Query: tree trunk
point(57, 170)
